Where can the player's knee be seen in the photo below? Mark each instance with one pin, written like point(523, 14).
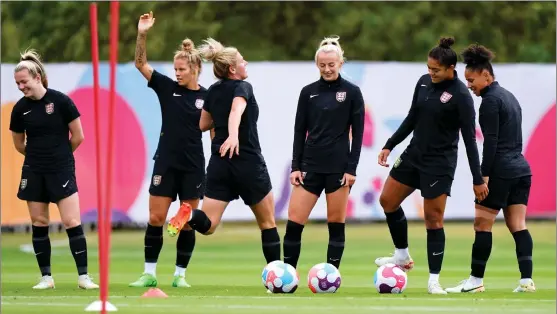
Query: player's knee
point(156, 219)
point(40, 220)
point(433, 219)
point(71, 222)
point(483, 224)
point(336, 217)
point(214, 225)
point(296, 217)
point(267, 223)
point(388, 203)
point(515, 225)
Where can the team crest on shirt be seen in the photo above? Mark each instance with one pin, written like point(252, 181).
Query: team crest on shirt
point(199, 103)
point(341, 96)
point(157, 180)
point(49, 108)
point(445, 97)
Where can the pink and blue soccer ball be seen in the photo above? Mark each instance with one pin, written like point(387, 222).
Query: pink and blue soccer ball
point(390, 278)
point(324, 278)
point(279, 277)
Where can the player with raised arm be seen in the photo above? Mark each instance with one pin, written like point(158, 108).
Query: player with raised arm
point(504, 169)
point(40, 123)
point(441, 107)
point(179, 169)
point(237, 167)
point(324, 160)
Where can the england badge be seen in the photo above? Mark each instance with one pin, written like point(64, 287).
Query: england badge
point(49, 108)
point(341, 96)
point(445, 97)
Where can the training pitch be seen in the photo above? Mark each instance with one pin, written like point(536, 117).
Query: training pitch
point(225, 274)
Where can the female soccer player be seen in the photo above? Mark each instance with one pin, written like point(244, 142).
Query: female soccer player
point(179, 160)
point(504, 169)
point(441, 107)
point(237, 167)
point(327, 109)
point(40, 123)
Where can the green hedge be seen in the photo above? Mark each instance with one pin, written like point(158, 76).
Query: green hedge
point(377, 31)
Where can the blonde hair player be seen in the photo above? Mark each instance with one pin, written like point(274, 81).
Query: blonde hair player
point(179, 169)
point(40, 123)
point(328, 109)
point(237, 167)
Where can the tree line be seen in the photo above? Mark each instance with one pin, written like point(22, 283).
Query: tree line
point(281, 31)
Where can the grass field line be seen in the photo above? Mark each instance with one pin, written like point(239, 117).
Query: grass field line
point(494, 286)
point(414, 308)
point(440, 298)
point(292, 307)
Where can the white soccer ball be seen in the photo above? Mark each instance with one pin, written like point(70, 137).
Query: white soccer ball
point(279, 277)
point(390, 278)
point(324, 278)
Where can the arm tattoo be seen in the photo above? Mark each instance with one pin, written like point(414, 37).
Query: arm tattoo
point(140, 51)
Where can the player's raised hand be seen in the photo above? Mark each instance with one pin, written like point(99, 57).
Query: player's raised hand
point(383, 155)
point(146, 21)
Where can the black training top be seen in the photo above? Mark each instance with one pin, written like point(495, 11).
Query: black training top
point(326, 111)
point(45, 123)
point(180, 144)
point(501, 123)
point(219, 104)
point(438, 112)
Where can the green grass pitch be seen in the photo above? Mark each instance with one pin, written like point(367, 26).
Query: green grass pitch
point(226, 267)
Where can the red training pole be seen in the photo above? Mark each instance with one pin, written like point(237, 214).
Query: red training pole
point(114, 20)
point(100, 211)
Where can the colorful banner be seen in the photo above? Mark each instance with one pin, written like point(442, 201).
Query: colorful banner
point(387, 89)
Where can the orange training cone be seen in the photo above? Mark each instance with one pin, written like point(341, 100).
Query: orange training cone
point(154, 293)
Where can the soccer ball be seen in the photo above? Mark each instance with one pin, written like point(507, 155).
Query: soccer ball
point(324, 278)
point(390, 278)
point(279, 277)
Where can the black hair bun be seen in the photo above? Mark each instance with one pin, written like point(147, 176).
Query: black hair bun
point(446, 42)
point(477, 54)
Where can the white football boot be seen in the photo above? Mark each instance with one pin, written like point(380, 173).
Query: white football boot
point(434, 287)
point(526, 285)
point(404, 262)
point(85, 282)
point(46, 282)
point(467, 286)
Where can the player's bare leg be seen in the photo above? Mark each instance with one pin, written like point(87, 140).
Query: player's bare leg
point(392, 196)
